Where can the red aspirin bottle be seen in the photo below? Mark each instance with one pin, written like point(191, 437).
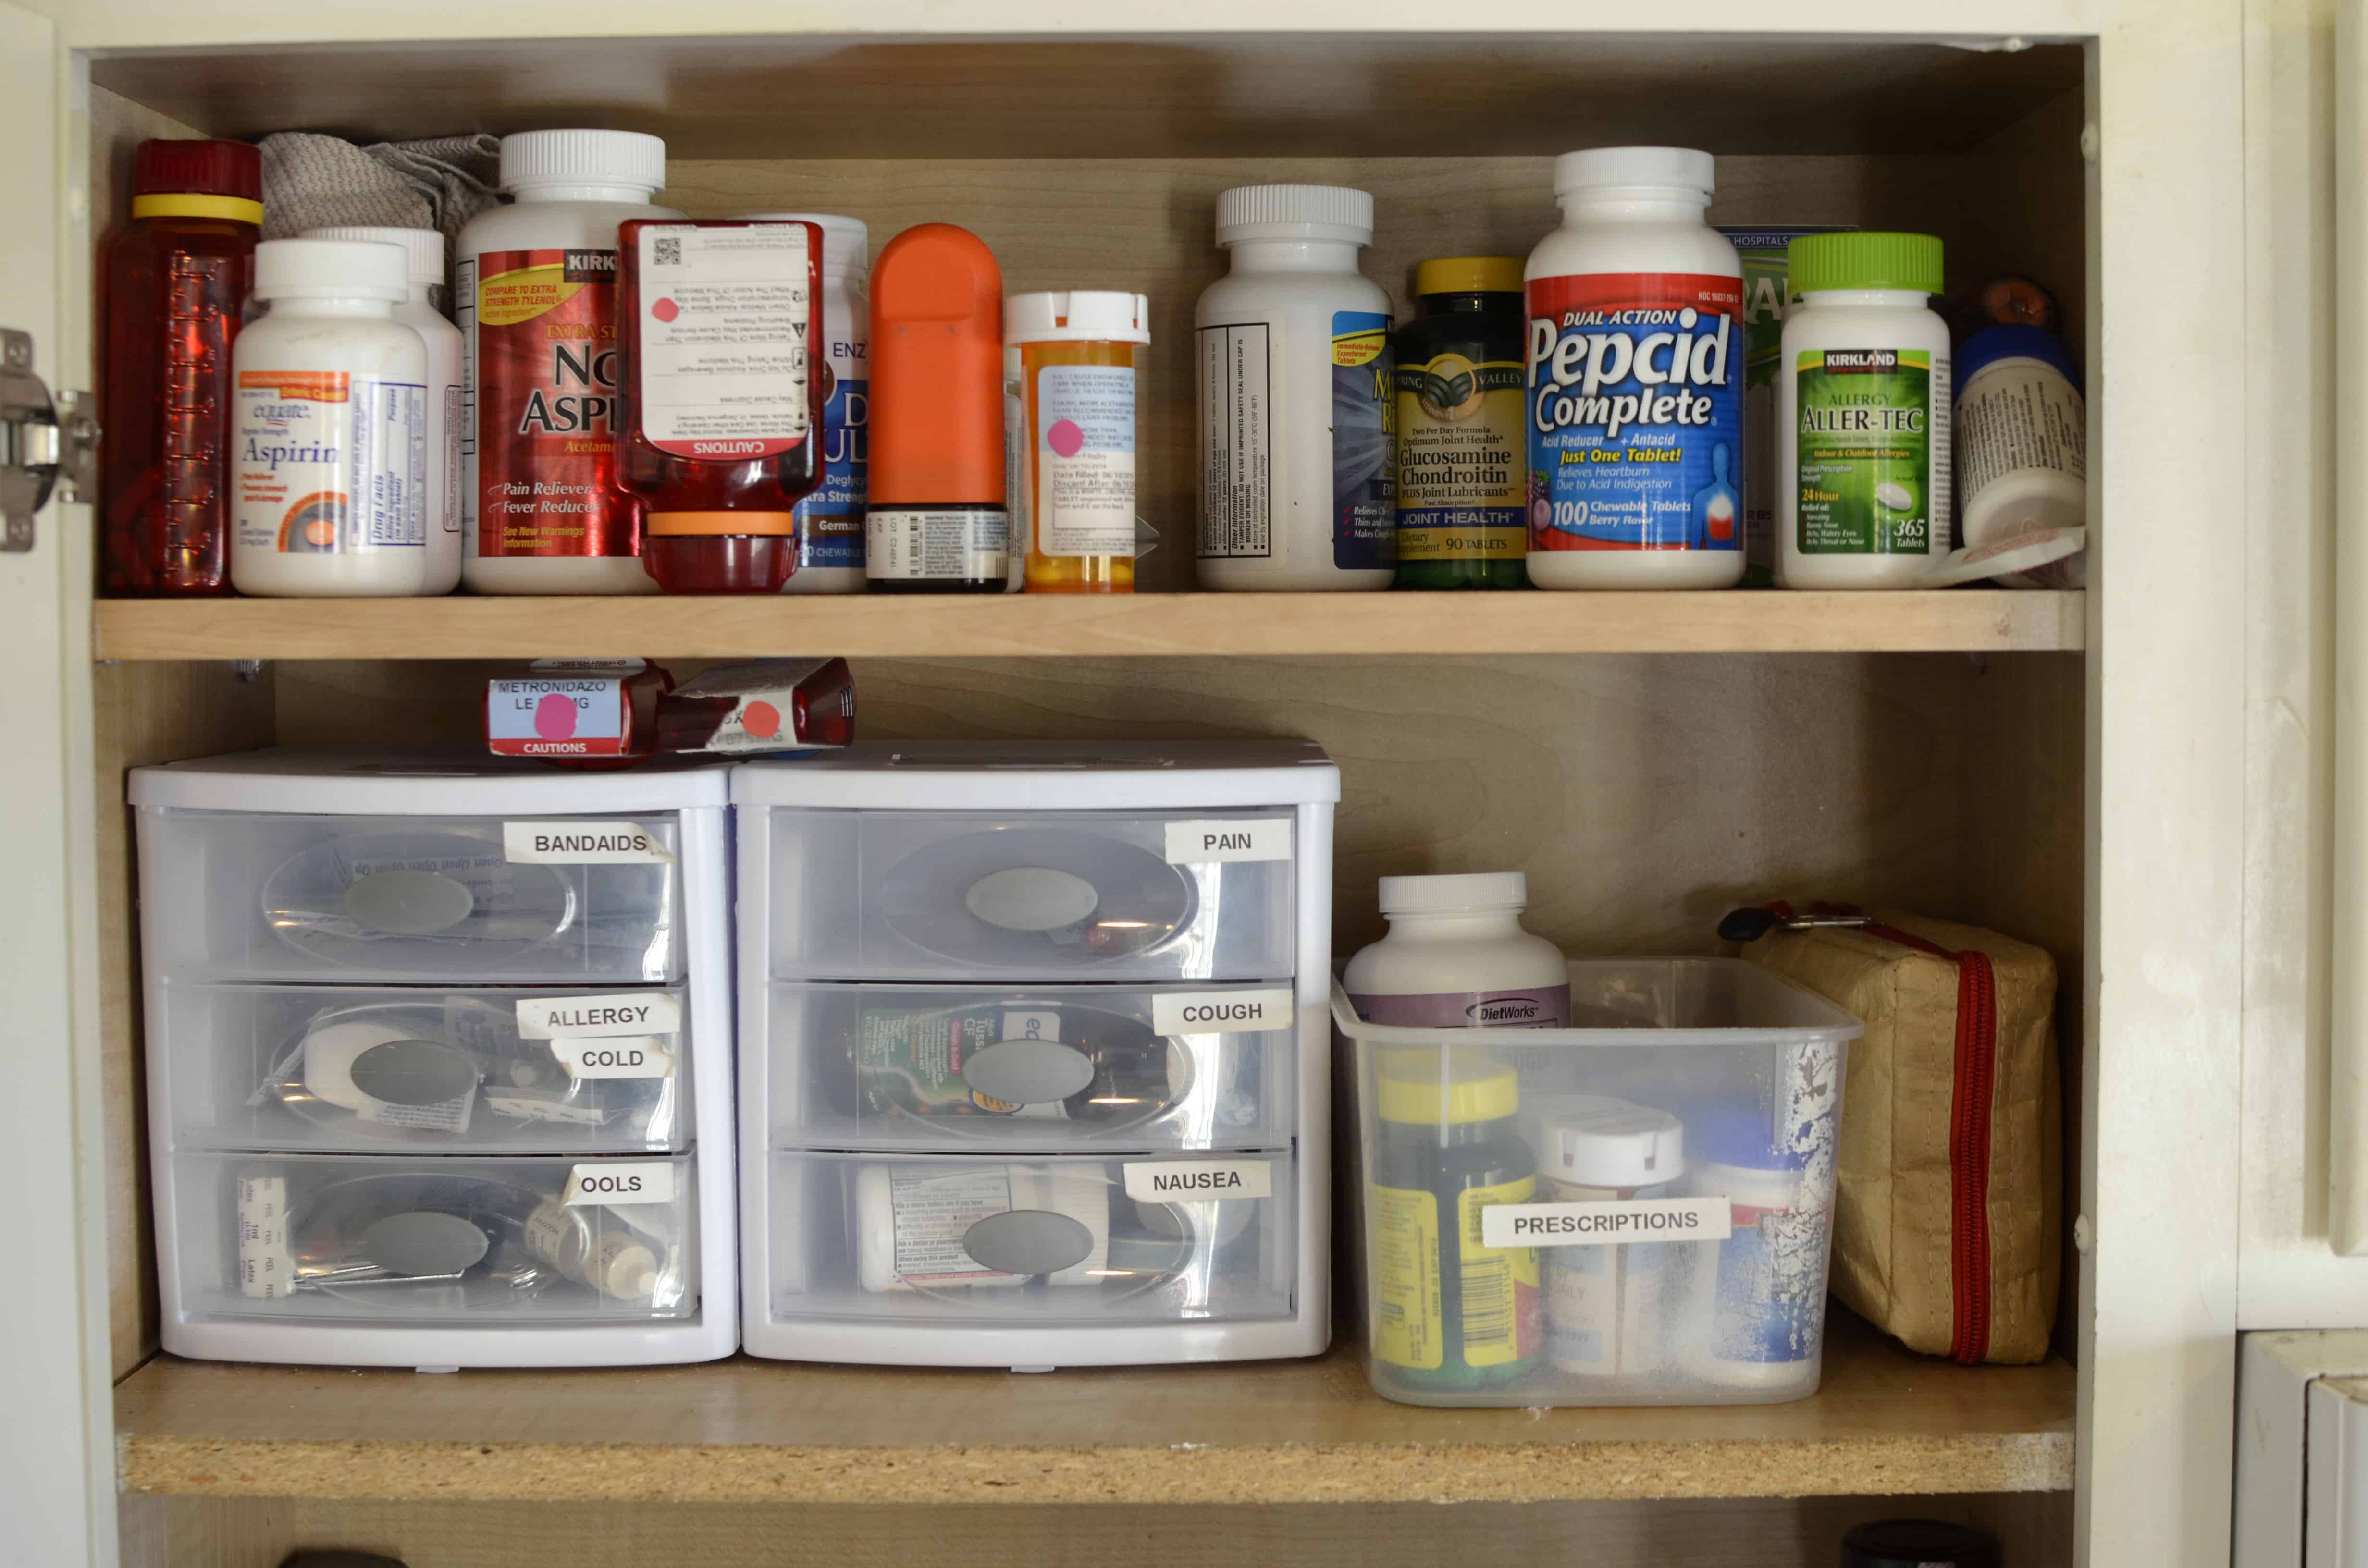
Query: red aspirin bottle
point(722, 399)
point(176, 278)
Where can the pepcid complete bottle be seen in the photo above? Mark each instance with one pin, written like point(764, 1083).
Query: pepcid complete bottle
point(1636, 378)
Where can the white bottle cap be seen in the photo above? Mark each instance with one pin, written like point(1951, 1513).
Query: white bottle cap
point(1595, 1141)
point(1635, 168)
point(1294, 212)
point(423, 247)
point(1079, 315)
point(331, 269)
point(534, 158)
point(846, 241)
point(1478, 890)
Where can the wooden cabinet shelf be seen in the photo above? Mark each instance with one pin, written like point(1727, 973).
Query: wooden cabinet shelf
point(745, 1431)
point(954, 626)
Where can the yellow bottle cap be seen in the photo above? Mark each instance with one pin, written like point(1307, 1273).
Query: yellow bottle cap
point(1463, 1083)
point(1469, 274)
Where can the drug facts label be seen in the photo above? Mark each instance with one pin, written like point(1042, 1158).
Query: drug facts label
point(1238, 838)
point(1635, 411)
point(723, 346)
point(329, 464)
point(1236, 441)
point(267, 1269)
point(1221, 1012)
point(931, 1209)
point(1873, 463)
point(615, 1182)
point(951, 544)
point(581, 1018)
point(1599, 1224)
point(1083, 416)
point(1197, 1181)
point(1364, 443)
point(582, 844)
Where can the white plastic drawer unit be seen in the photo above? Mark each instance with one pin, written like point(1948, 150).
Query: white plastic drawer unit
point(427, 1069)
point(979, 1068)
point(437, 1061)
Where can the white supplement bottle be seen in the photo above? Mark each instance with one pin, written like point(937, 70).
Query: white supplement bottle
point(2022, 445)
point(535, 297)
point(1636, 378)
point(329, 462)
point(1298, 456)
point(1862, 406)
point(1456, 956)
point(830, 520)
point(1608, 1303)
point(423, 312)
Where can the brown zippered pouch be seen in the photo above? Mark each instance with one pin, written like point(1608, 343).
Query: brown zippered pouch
point(1949, 1213)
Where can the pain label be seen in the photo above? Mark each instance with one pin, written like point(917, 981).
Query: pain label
point(632, 1013)
point(1220, 1012)
point(582, 843)
point(615, 1182)
point(1228, 838)
point(1613, 1224)
point(1199, 1181)
point(631, 1056)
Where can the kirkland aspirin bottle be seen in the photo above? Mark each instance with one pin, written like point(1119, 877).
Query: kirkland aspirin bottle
point(1636, 378)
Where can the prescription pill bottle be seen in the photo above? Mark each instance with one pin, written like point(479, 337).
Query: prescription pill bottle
point(830, 518)
point(1608, 1303)
point(1070, 375)
point(329, 454)
point(1863, 401)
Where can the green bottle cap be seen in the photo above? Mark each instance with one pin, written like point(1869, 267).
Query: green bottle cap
point(1863, 261)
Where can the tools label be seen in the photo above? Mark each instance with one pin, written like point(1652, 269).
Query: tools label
point(617, 1183)
point(1611, 1223)
point(1221, 1012)
point(625, 1056)
point(1234, 838)
point(1197, 1181)
point(597, 1018)
point(582, 844)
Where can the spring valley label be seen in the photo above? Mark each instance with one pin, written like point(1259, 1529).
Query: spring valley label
point(1197, 1181)
point(582, 844)
point(1463, 476)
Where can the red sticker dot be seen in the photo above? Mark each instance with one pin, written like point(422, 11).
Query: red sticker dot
point(554, 717)
point(761, 720)
point(1066, 438)
point(665, 310)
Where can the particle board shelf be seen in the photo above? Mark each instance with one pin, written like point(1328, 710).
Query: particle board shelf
point(745, 1431)
point(998, 626)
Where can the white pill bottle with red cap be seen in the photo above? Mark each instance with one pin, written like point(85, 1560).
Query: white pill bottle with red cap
point(1636, 378)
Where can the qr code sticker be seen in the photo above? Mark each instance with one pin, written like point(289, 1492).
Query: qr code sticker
point(669, 252)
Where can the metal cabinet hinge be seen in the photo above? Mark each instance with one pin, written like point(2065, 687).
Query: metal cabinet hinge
point(45, 444)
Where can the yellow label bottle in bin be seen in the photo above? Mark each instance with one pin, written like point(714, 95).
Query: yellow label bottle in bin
point(1449, 1313)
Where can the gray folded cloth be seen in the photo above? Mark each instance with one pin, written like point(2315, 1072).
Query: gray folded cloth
point(312, 181)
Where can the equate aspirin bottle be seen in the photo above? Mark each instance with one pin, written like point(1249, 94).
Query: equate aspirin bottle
point(1636, 378)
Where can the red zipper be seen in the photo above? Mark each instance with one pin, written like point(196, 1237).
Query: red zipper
point(1973, 1087)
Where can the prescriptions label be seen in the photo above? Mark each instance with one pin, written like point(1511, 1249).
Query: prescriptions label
point(1608, 1223)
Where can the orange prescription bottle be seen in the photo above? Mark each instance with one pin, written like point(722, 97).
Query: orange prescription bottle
point(1069, 378)
point(937, 523)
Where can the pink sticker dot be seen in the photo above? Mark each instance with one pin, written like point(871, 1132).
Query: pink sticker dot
point(1066, 438)
point(761, 718)
point(554, 717)
point(665, 310)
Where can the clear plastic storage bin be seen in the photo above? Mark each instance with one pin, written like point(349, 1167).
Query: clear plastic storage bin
point(1084, 896)
point(248, 895)
point(1042, 1068)
point(340, 1069)
point(419, 1242)
point(1651, 1188)
point(1063, 1243)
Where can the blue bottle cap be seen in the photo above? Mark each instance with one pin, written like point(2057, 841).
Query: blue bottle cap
point(1740, 1132)
point(2012, 341)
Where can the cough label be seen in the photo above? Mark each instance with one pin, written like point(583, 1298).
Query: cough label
point(1460, 461)
point(1183, 1181)
point(330, 464)
point(727, 316)
point(1873, 472)
point(1364, 444)
point(539, 328)
point(1635, 411)
point(1220, 1012)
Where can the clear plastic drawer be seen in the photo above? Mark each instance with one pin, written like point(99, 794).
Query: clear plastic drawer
point(1083, 896)
point(1045, 1068)
point(430, 1242)
point(337, 1069)
point(235, 895)
point(1053, 1243)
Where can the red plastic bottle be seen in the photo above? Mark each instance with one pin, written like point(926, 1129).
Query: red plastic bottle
point(176, 278)
point(721, 397)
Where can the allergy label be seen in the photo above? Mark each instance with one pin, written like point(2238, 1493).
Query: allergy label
point(1221, 1012)
point(612, 1183)
point(582, 844)
point(1364, 443)
point(722, 355)
point(1242, 838)
point(1083, 455)
point(1606, 1223)
point(329, 464)
point(1236, 421)
point(1874, 452)
point(1635, 411)
point(1183, 1181)
point(595, 1017)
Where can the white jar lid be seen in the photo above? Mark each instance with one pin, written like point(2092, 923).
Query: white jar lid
point(331, 269)
point(1474, 890)
point(1635, 168)
point(423, 247)
point(583, 157)
point(1077, 315)
point(1596, 1140)
point(1294, 212)
point(846, 241)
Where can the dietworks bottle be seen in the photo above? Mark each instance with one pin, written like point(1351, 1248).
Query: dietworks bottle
point(830, 520)
point(1456, 956)
point(1636, 378)
point(535, 298)
point(1297, 402)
